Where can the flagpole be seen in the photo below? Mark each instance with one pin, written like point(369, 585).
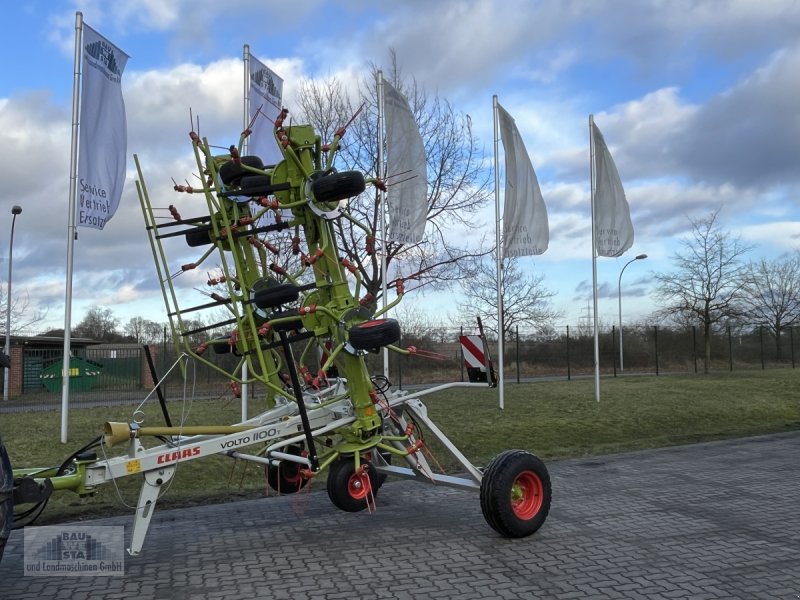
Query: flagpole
point(71, 227)
point(592, 176)
point(382, 208)
point(246, 119)
point(498, 254)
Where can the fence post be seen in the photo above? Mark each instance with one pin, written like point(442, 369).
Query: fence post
point(730, 349)
point(461, 353)
point(761, 342)
point(614, 345)
point(694, 347)
point(569, 370)
point(655, 334)
point(517, 329)
point(791, 343)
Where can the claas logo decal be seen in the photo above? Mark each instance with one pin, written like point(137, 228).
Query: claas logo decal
point(169, 457)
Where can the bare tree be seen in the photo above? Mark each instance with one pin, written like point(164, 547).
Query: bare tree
point(707, 285)
point(22, 317)
point(143, 331)
point(458, 183)
point(99, 324)
point(772, 295)
point(525, 300)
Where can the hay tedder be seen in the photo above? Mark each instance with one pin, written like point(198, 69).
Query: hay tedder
point(299, 333)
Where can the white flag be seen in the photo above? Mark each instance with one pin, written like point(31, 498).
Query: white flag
point(266, 92)
point(407, 200)
point(525, 227)
point(103, 131)
point(612, 216)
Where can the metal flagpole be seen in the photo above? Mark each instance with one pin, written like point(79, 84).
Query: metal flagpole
point(498, 253)
point(382, 208)
point(246, 60)
point(592, 175)
point(72, 231)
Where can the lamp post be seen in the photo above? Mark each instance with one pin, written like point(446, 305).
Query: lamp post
point(619, 288)
point(15, 210)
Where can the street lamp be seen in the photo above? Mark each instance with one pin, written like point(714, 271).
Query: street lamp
point(619, 287)
point(15, 210)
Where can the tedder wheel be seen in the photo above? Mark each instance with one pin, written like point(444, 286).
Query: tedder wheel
point(286, 478)
point(374, 334)
point(515, 493)
point(351, 491)
point(338, 186)
point(6, 497)
point(231, 173)
point(201, 236)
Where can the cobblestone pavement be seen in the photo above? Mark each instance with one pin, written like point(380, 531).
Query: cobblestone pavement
point(713, 520)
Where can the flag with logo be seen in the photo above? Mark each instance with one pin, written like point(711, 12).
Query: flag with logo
point(407, 199)
point(266, 92)
point(103, 139)
point(526, 230)
point(612, 215)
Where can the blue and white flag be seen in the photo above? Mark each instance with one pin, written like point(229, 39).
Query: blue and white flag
point(266, 92)
point(407, 200)
point(103, 131)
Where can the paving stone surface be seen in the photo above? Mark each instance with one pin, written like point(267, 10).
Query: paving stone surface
point(705, 521)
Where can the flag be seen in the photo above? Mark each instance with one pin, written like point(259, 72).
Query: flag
point(266, 92)
point(407, 200)
point(612, 216)
point(525, 228)
point(103, 131)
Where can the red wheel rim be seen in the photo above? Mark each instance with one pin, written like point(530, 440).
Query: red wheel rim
point(359, 486)
point(527, 495)
point(372, 323)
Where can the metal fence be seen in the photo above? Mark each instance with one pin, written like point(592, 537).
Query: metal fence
point(122, 372)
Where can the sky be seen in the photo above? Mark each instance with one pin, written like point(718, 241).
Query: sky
point(698, 101)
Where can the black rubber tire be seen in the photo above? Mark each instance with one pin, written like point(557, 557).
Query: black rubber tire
point(516, 493)
point(338, 186)
point(374, 334)
point(221, 347)
point(198, 237)
point(6, 497)
point(231, 174)
point(254, 182)
point(286, 478)
point(346, 491)
point(276, 295)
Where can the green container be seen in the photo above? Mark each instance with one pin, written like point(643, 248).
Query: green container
point(83, 374)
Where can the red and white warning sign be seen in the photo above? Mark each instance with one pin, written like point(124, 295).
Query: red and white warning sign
point(472, 349)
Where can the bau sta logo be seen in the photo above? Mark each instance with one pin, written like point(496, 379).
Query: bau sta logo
point(263, 78)
point(103, 53)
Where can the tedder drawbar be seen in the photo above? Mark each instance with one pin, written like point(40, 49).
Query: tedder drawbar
point(323, 414)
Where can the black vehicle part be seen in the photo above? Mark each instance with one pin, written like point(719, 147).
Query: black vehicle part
point(374, 334)
point(286, 477)
point(275, 295)
point(338, 186)
point(199, 236)
point(231, 173)
point(6, 497)
point(349, 490)
point(254, 182)
point(515, 493)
